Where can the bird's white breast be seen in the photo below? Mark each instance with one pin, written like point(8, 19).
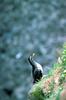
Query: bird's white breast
point(39, 67)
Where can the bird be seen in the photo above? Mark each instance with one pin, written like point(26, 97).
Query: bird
point(37, 71)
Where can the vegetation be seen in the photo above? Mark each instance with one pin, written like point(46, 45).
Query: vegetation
point(53, 85)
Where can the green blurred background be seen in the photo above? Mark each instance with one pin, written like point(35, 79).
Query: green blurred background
point(28, 26)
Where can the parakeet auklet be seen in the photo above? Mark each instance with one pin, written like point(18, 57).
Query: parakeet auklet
point(37, 70)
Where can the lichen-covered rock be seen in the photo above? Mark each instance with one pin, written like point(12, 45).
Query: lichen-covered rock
point(63, 94)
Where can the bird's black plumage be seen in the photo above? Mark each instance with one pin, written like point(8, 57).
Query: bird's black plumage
point(37, 70)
